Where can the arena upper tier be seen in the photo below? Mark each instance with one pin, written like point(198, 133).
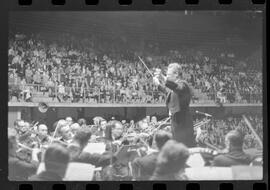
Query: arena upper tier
point(79, 70)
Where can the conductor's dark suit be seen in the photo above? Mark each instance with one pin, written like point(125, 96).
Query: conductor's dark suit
point(177, 102)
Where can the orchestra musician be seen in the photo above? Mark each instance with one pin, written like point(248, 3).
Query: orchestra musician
point(74, 127)
point(56, 159)
point(233, 154)
point(69, 121)
point(42, 135)
point(57, 125)
point(19, 169)
point(65, 134)
point(131, 124)
point(77, 145)
point(144, 166)
point(114, 132)
point(100, 125)
point(18, 124)
point(171, 162)
point(82, 122)
point(154, 120)
point(115, 139)
point(177, 102)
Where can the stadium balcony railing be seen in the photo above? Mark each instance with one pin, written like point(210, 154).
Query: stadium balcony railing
point(38, 93)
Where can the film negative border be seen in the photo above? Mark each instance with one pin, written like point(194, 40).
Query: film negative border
point(129, 2)
point(141, 185)
point(136, 5)
point(14, 5)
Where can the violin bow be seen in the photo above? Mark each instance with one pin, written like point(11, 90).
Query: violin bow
point(253, 131)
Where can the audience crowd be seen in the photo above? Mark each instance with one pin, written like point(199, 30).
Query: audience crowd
point(71, 69)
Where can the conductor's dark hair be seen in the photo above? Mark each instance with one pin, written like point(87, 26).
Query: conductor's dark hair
point(161, 138)
point(56, 156)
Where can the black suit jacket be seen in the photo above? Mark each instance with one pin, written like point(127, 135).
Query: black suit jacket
point(178, 99)
point(234, 157)
point(177, 102)
point(146, 165)
point(20, 170)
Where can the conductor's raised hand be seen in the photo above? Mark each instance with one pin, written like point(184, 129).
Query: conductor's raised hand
point(158, 77)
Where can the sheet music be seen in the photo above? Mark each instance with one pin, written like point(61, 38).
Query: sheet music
point(75, 171)
point(95, 148)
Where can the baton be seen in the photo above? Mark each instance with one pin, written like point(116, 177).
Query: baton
point(146, 66)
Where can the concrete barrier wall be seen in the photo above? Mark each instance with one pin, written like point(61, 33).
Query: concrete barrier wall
point(30, 111)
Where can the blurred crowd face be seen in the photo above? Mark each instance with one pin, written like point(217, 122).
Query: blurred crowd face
point(24, 126)
point(148, 119)
point(69, 121)
point(96, 122)
point(43, 130)
point(132, 122)
point(154, 120)
point(103, 124)
point(143, 125)
point(61, 123)
point(66, 133)
point(117, 131)
point(74, 128)
point(20, 123)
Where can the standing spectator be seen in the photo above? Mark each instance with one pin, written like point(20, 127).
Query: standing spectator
point(28, 75)
point(61, 92)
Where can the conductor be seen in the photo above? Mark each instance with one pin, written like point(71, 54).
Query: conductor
point(177, 102)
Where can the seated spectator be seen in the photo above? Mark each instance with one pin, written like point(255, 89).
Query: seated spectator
point(56, 159)
point(127, 83)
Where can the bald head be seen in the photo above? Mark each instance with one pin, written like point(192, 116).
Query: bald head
point(43, 129)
